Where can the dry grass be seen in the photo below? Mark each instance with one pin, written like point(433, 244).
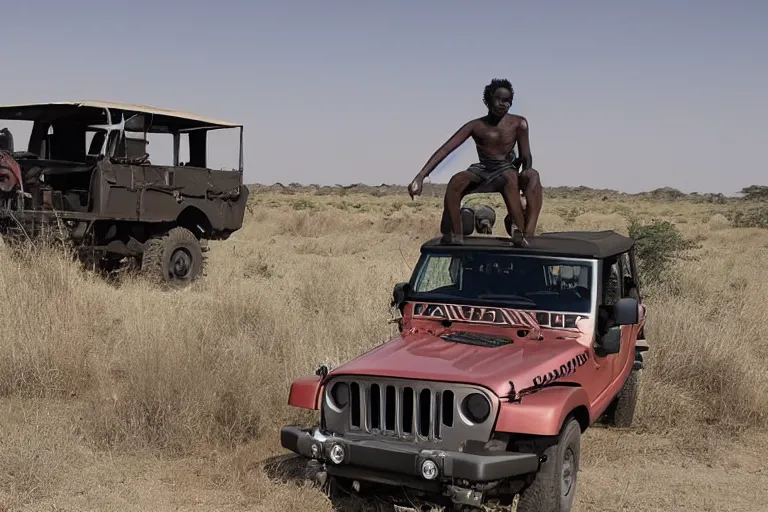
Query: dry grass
point(127, 397)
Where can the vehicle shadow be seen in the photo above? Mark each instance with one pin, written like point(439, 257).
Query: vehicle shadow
point(294, 469)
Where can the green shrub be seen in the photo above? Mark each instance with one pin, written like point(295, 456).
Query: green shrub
point(754, 217)
point(659, 245)
point(755, 193)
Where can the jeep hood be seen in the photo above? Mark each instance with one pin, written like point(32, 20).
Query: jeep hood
point(425, 356)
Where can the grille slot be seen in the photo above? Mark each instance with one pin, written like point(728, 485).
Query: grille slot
point(391, 409)
point(424, 406)
point(407, 410)
point(354, 402)
point(448, 400)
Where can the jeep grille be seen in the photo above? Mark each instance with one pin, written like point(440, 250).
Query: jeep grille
point(407, 410)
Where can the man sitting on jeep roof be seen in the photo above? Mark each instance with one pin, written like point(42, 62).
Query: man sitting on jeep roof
point(495, 136)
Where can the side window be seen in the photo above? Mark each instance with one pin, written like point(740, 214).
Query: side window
point(439, 272)
point(629, 287)
point(611, 282)
point(626, 270)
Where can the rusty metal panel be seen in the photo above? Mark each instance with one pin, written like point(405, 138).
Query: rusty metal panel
point(155, 175)
point(191, 181)
point(224, 181)
point(121, 202)
point(158, 206)
point(119, 197)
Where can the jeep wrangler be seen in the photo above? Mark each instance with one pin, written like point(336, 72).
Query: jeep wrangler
point(87, 178)
point(505, 356)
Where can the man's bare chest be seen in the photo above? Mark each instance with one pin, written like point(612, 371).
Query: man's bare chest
point(495, 135)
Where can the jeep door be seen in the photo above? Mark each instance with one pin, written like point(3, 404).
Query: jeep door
point(611, 368)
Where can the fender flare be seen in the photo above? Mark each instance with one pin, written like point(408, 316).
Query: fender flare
point(544, 412)
point(306, 393)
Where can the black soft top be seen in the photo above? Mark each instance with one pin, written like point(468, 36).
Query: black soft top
point(582, 244)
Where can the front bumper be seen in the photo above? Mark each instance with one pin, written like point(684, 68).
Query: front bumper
point(406, 459)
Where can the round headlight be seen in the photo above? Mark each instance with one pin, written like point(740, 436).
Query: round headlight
point(340, 394)
point(477, 407)
point(429, 470)
point(337, 454)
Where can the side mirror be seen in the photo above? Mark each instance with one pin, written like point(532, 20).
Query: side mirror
point(625, 312)
point(400, 294)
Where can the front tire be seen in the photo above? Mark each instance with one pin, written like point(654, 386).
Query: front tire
point(174, 258)
point(554, 487)
point(621, 412)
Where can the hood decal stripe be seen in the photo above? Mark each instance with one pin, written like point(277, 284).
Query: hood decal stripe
point(531, 319)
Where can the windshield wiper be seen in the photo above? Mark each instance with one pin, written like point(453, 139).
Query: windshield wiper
point(501, 296)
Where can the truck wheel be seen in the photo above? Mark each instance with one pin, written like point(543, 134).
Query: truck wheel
point(554, 486)
point(175, 258)
point(621, 412)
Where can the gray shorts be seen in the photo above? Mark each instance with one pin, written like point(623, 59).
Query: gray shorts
point(488, 175)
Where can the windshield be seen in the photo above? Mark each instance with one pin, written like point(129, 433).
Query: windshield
point(507, 280)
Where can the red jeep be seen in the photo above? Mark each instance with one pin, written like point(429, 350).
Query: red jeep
point(506, 356)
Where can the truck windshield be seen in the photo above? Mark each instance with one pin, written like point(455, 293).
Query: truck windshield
point(540, 283)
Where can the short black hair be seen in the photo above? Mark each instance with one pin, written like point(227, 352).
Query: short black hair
point(496, 83)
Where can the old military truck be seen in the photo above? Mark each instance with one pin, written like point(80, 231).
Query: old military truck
point(86, 175)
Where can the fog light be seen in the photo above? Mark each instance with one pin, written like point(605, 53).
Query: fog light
point(429, 470)
point(337, 454)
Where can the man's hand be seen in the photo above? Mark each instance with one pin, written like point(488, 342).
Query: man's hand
point(456, 140)
point(414, 189)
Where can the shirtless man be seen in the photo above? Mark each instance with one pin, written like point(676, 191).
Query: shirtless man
point(495, 136)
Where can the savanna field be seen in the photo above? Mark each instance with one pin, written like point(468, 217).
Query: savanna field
point(118, 395)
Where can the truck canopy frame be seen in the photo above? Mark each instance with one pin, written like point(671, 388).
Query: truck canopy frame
point(115, 117)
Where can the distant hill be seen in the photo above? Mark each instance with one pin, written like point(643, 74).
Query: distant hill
point(438, 189)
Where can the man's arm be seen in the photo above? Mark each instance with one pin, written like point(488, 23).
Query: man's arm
point(524, 145)
point(456, 140)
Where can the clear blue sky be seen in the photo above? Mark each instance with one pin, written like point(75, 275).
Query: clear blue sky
point(624, 95)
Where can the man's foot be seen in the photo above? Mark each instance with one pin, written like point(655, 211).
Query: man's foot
point(518, 239)
point(452, 239)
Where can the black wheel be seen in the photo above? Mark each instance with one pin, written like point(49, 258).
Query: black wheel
point(554, 487)
point(175, 258)
point(621, 412)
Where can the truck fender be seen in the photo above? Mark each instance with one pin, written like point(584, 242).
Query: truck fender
point(305, 393)
point(543, 412)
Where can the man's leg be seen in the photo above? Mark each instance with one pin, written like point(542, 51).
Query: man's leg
point(450, 225)
point(510, 191)
point(530, 184)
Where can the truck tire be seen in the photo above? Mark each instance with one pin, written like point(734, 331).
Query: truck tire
point(554, 487)
point(621, 412)
point(174, 258)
